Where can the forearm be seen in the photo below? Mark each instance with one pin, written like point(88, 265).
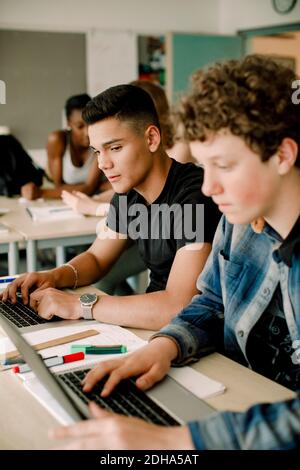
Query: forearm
point(261, 427)
point(198, 330)
point(149, 311)
point(55, 193)
point(88, 272)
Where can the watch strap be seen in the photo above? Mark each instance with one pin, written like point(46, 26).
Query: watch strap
point(87, 312)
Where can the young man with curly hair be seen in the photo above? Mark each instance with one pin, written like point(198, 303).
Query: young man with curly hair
point(245, 132)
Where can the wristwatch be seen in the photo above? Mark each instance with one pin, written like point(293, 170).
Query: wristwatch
point(86, 302)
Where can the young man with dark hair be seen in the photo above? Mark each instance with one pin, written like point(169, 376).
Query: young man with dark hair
point(158, 205)
point(245, 132)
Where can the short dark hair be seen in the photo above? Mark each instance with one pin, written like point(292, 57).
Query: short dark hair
point(125, 103)
point(252, 97)
point(76, 102)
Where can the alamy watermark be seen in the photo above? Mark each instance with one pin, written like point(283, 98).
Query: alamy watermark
point(296, 93)
point(182, 222)
point(296, 354)
point(2, 92)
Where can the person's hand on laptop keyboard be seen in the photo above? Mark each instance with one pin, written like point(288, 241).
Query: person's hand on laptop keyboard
point(49, 302)
point(109, 431)
point(150, 364)
point(27, 283)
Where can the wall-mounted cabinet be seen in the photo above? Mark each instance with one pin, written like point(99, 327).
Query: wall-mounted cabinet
point(186, 53)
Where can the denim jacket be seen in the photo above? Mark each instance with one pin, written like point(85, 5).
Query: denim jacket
point(237, 284)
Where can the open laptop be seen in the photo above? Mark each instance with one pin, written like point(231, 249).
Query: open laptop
point(168, 403)
point(25, 318)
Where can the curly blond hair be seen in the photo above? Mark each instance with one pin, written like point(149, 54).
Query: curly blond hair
point(251, 97)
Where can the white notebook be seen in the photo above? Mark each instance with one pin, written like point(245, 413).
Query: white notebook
point(197, 383)
point(52, 213)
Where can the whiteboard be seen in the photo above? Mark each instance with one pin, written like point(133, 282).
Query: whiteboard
point(112, 59)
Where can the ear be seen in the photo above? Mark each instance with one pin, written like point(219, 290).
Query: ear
point(153, 138)
point(287, 155)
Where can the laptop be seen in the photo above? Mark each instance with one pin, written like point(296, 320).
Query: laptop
point(25, 318)
point(167, 403)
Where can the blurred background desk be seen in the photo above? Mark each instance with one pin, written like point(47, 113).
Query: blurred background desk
point(9, 244)
point(39, 235)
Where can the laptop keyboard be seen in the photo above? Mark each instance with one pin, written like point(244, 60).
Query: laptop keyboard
point(19, 314)
point(126, 399)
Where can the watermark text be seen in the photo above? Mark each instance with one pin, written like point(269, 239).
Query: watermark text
point(296, 93)
point(2, 92)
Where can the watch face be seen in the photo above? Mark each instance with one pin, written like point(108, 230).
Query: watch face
point(284, 6)
point(88, 298)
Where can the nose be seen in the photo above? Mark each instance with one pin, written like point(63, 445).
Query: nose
point(211, 186)
point(104, 162)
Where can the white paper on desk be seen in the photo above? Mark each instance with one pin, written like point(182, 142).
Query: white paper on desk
point(52, 213)
point(197, 383)
point(42, 395)
point(108, 334)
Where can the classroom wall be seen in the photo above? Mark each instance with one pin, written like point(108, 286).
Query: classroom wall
point(105, 21)
point(284, 47)
point(246, 14)
point(135, 15)
point(39, 80)
point(111, 29)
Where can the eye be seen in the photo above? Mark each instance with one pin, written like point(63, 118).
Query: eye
point(224, 166)
point(116, 148)
point(96, 153)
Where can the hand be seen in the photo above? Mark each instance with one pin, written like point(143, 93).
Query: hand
point(150, 362)
point(31, 191)
point(109, 431)
point(79, 202)
point(50, 302)
point(27, 283)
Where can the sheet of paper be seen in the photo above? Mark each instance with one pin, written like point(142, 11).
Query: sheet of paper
point(108, 334)
point(49, 213)
point(197, 383)
point(35, 387)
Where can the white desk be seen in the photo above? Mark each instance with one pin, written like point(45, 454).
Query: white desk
point(9, 244)
point(25, 423)
point(58, 234)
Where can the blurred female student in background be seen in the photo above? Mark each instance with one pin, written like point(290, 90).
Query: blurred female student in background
point(71, 163)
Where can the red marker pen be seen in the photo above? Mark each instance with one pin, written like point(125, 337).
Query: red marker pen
point(51, 362)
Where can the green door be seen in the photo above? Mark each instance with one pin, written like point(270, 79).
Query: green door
point(190, 52)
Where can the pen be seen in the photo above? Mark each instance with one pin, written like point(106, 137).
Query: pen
point(28, 212)
point(12, 362)
point(104, 349)
point(7, 279)
point(61, 209)
point(51, 362)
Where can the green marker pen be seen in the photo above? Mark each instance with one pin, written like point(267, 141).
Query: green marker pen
point(104, 349)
